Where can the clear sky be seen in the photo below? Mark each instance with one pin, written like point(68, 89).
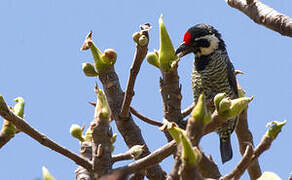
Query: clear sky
point(41, 61)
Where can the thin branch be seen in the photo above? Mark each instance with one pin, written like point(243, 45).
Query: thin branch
point(140, 54)
point(187, 111)
point(240, 167)
point(144, 118)
point(22, 125)
point(245, 138)
point(264, 145)
point(264, 15)
point(122, 157)
point(152, 159)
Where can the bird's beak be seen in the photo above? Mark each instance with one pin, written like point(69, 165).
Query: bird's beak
point(184, 49)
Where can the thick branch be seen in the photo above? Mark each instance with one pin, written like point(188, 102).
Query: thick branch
point(140, 54)
point(126, 126)
point(264, 15)
point(4, 138)
point(101, 147)
point(23, 126)
point(86, 152)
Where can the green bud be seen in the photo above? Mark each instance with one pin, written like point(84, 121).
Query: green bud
point(275, 129)
point(200, 112)
point(46, 174)
point(166, 52)
point(189, 155)
point(143, 40)
point(89, 70)
point(88, 135)
point(152, 58)
point(224, 105)
point(19, 107)
point(114, 138)
point(109, 56)
point(241, 92)
point(102, 61)
point(136, 37)
point(238, 105)
point(175, 133)
point(136, 150)
point(102, 108)
point(76, 132)
point(218, 98)
point(269, 176)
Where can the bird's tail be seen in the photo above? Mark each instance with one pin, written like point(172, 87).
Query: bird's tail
point(225, 149)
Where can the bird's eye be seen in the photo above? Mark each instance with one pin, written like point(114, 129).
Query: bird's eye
point(202, 43)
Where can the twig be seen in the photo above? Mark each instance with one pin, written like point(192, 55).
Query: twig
point(264, 15)
point(154, 158)
point(22, 125)
point(144, 118)
point(187, 111)
point(121, 157)
point(245, 138)
point(140, 54)
point(240, 167)
point(264, 145)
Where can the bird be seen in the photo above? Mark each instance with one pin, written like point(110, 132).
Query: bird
point(213, 73)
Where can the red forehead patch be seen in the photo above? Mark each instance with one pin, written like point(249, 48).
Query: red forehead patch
point(187, 38)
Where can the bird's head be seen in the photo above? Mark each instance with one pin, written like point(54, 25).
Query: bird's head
point(201, 39)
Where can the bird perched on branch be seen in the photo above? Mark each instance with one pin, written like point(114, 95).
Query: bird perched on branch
point(213, 73)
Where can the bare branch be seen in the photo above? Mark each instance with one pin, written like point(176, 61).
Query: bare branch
point(144, 118)
point(264, 15)
point(187, 111)
point(240, 167)
point(154, 158)
point(140, 54)
point(121, 157)
point(126, 126)
point(245, 138)
point(22, 125)
point(264, 145)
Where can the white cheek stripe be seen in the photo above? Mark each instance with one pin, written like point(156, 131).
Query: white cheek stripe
point(214, 42)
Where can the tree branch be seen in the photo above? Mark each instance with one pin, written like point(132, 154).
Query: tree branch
point(4, 138)
point(144, 118)
point(264, 15)
point(22, 125)
point(245, 138)
point(240, 167)
point(141, 52)
point(121, 157)
point(152, 159)
point(248, 160)
point(188, 110)
point(126, 126)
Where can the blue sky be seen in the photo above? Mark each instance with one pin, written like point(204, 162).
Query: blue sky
point(41, 61)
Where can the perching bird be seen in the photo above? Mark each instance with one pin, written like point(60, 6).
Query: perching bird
point(213, 73)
